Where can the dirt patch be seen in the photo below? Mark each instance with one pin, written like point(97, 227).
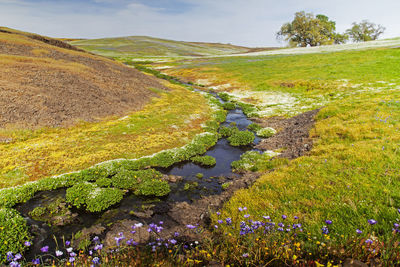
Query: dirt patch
point(292, 136)
point(43, 85)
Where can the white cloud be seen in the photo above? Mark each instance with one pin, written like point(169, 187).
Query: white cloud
point(243, 22)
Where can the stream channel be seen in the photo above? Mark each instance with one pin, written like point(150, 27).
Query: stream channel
point(209, 184)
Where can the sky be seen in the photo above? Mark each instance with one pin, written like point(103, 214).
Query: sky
point(251, 23)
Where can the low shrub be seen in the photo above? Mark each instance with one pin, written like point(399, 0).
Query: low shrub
point(13, 233)
point(241, 138)
point(153, 187)
point(266, 132)
point(204, 160)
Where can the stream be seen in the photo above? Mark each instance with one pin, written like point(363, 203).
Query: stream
point(132, 206)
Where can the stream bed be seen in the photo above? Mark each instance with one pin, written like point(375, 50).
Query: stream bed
point(144, 209)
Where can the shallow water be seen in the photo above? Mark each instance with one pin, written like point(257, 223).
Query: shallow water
point(209, 184)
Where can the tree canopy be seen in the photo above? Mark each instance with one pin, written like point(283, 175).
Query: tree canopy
point(365, 31)
point(309, 30)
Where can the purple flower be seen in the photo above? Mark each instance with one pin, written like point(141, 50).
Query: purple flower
point(67, 243)
point(96, 239)
point(280, 229)
point(72, 254)
point(220, 221)
point(27, 244)
point(281, 224)
point(10, 256)
point(358, 231)
point(173, 241)
point(216, 226)
point(96, 260)
point(246, 215)
point(69, 250)
point(59, 253)
point(295, 217)
point(371, 221)
point(190, 226)
point(176, 234)
point(398, 210)
point(71, 259)
point(284, 216)
point(218, 213)
point(245, 255)
point(228, 220)
point(267, 217)
point(369, 241)
point(44, 249)
point(17, 257)
point(98, 247)
point(325, 230)
point(36, 261)
point(396, 225)
point(328, 222)
point(15, 264)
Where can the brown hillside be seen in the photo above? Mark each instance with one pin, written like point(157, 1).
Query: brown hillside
point(46, 82)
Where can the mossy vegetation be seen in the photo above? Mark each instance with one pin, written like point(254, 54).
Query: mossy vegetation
point(257, 161)
point(204, 160)
point(266, 132)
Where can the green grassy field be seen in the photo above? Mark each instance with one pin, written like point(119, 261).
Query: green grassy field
point(351, 174)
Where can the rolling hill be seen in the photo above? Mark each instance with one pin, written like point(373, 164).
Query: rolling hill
point(143, 46)
point(47, 82)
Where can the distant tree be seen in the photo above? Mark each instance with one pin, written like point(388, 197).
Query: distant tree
point(309, 30)
point(365, 31)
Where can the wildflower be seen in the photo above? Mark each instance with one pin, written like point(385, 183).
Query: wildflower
point(245, 255)
point(216, 226)
point(69, 250)
point(173, 241)
point(218, 213)
point(190, 226)
point(44, 249)
point(246, 215)
point(325, 230)
point(220, 221)
point(72, 254)
point(96, 239)
point(371, 222)
point(396, 225)
point(369, 241)
point(267, 217)
point(98, 247)
point(160, 222)
point(71, 259)
point(36, 261)
point(281, 225)
point(328, 222)
point(67, 243)
point(228, 220)
point(176, 234)
point(284, 216)
point(15, 264)
point(96, 260)
point(17, 257)
point(59, 253)
point(27, 244)
point(358, 231)
point(295, 217)
point(280, 229)
point(10, 256)
point(398, 210)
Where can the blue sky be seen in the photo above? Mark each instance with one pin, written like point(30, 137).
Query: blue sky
point(241, 22)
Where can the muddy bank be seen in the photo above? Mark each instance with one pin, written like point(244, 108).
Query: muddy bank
point(293, 134)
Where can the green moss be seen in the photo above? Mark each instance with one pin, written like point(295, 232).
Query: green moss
point(190, 186)
point(229, 105)
point(227, 131)
point(102, 198)
point(204, 160)
point(256, 161)
point(13, 233)
point(125, 180)
point(224, 96)
point(78, 194)
point(153, 187)
point(254, 127)
point(266, 132)
point(199, 175)
point(241, 138)
point(226, 185)
point(104, 182)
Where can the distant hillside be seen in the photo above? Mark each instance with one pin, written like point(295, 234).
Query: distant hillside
point(47, 82)
point(142, 46)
